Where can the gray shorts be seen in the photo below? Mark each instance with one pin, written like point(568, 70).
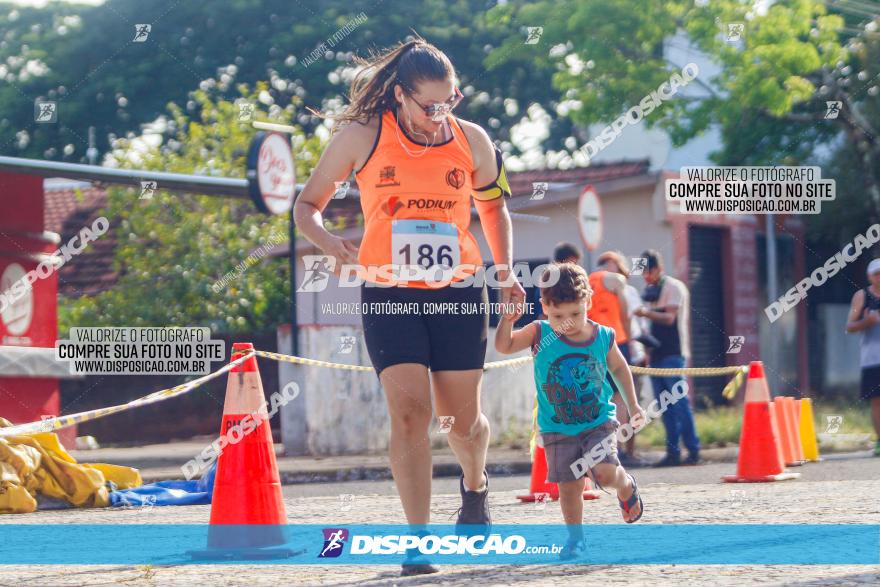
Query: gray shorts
point(563, 449)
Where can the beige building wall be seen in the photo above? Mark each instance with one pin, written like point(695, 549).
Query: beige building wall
point(633, 220)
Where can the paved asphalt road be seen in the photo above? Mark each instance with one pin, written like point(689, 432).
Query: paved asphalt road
point(841, 490)
point(851, 466)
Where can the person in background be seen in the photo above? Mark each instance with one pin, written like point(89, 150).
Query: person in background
point(864, 317)
point(567, 253)
point(562, 253)
point(610, 308)
point(637, 355)
point(668, 310)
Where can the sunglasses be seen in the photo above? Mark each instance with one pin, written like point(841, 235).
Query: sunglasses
point(438, 110)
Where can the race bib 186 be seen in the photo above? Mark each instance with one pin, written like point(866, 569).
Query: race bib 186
point(427, 248)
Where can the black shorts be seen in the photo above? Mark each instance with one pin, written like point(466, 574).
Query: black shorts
point(445, 329)
point(870, 382)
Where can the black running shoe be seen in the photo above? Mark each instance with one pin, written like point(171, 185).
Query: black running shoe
point(573, 550)
point(668, 461)
point(415, 563)
point(631, 462)
point(417, 566)
point(474, 510)
point(693, 459)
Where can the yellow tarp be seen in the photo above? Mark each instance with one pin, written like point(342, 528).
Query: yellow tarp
point(37, 463)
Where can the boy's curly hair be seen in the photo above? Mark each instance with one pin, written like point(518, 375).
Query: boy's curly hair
point(573, 284)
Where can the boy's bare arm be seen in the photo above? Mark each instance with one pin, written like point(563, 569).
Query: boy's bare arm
point(623, 378)
point(508, 341)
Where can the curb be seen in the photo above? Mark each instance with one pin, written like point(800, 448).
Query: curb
point(164, 470)
point(377, 473)
point(382, 472)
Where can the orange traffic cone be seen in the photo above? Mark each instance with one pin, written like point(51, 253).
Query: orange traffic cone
point(785, 435)
point(789, 441)
point(759, 455)
point(539, 484)
point(794, 418)
point(757, 390)
point(247, 510)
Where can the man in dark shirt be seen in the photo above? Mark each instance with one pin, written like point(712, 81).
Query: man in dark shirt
point(667, 308)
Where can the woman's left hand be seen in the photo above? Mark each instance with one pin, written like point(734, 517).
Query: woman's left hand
point(513, 292)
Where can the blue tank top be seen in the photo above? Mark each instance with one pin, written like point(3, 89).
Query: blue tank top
point(573, 392)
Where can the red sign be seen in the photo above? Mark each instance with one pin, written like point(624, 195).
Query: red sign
point(28, 280)
point(271, 173)
point(28, 308)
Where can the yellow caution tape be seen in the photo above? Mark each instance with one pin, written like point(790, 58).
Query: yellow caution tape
point(533, 437)
point(507, 363)
point(692, 371)
point(58, 422)
point(729, 390)
point(312, 362)
point(733, 385)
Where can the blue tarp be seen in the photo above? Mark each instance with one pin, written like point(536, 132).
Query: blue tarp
point(168, 492)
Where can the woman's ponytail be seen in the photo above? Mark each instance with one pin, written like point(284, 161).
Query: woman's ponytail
point(372, 90)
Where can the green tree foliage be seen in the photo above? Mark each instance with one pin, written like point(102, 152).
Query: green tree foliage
point(596, 58)
point(175, 249)
point(101, 78)
point(769, 98)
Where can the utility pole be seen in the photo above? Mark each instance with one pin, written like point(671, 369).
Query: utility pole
point(772, 295)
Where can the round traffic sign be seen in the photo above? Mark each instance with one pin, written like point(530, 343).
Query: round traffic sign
point(271, 174)
point(17, 308)
point(590, 218)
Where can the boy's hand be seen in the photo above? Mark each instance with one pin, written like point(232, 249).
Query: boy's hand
point(637, 417)
point(512, 310)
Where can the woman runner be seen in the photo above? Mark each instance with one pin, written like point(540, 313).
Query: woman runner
point(417, 168)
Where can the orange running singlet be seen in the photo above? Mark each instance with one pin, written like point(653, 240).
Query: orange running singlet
point(606, 307)
point(417, 208)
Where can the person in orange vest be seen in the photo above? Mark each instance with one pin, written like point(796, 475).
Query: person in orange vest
point(417, 168)
point(610, 308)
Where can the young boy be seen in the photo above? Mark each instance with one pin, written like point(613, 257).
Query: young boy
point(575, 413)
